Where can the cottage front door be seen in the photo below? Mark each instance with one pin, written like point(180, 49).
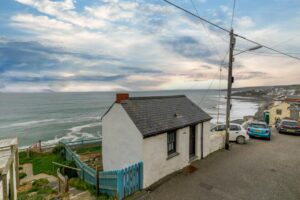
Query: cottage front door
point(192, 141)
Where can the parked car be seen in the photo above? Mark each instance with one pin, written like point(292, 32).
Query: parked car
point(236, 132)
point(289, 126)
point(259, 129)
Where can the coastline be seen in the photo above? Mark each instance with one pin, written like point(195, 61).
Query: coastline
point(262, 102)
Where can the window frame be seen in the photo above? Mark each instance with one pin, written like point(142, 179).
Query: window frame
point(278, 111)
point(169, 142)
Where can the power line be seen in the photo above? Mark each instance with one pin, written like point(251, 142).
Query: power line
point(269, 53)
point(211, 23)
point(232, 17)
point(207, 32)
point(219, 27)
point(220, 67)
point(270, 48)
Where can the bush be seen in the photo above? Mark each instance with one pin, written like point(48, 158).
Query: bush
point(71, 173)
point(41, 183)
point(81, 185)
point(58, 149)
point(22, 175)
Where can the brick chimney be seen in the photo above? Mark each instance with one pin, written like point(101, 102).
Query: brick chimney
point(121, 96)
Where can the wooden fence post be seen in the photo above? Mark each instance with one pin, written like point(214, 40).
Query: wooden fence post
point(82, 170)
point(141, 175)
point(4, 186)
point(120, 184)
point(40, 146)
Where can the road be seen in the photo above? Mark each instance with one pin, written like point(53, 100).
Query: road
point(261, 169)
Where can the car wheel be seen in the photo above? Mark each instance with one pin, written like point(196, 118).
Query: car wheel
point(240, 140)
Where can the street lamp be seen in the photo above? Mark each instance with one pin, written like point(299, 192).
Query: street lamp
point(251, 49)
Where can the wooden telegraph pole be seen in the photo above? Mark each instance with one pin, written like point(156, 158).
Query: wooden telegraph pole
point(229, 86)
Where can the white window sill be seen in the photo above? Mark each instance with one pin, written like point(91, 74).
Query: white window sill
point(172, 155)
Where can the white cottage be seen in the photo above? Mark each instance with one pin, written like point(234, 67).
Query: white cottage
point(166, 133)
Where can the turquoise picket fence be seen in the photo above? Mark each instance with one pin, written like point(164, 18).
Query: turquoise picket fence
point(119, 183)
point(122, 183)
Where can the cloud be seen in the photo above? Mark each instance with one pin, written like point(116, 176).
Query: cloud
point(138, 70)
point(33, 56)
point(252, 75)
point(187, 46)
point(132, 45)
point(244, 22)
point(64, 10)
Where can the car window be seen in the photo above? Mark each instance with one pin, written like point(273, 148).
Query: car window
point(220, 128)
point(253, 125)
point(289, 123)
point(235, 128)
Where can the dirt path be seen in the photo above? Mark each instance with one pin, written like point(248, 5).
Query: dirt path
point(27, 168)
point(80, 195)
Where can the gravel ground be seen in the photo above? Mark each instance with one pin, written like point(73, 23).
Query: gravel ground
point(258, 170)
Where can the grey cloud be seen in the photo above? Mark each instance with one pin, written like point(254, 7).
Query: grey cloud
point(85, 78)
point(187, 46)
point(252, 75)
point(138, 70)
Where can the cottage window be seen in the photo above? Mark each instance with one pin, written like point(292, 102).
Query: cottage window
point(171, 142)
point(278, 112)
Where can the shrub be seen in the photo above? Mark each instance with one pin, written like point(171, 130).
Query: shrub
point(40, 183)
point(22, 175)
point(71, 173)
point(58, 149)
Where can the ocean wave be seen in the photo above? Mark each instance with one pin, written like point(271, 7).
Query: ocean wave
point(79, 128)
point(28, 123)
point(74, 135)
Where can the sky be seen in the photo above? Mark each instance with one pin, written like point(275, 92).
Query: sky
point(130, 45)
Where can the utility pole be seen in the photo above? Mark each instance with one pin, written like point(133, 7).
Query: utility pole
point(229, 86)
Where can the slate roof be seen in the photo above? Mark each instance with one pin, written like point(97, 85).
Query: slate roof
point(156, 115)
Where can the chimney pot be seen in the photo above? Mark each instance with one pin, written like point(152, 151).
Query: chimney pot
point(121, 96)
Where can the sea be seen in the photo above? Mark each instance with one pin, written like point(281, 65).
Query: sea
point(51, 117)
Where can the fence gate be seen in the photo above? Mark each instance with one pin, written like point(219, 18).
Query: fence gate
point(127, 181)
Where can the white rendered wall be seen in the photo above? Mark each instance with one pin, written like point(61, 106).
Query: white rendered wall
point(217, 141)
point(206, 139)
point(198, 141)
point(156, 162)
point(122, 141)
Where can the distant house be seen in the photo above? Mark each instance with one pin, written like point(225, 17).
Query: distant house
point(166, 133)
point(288, 107)
point(9, 169)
